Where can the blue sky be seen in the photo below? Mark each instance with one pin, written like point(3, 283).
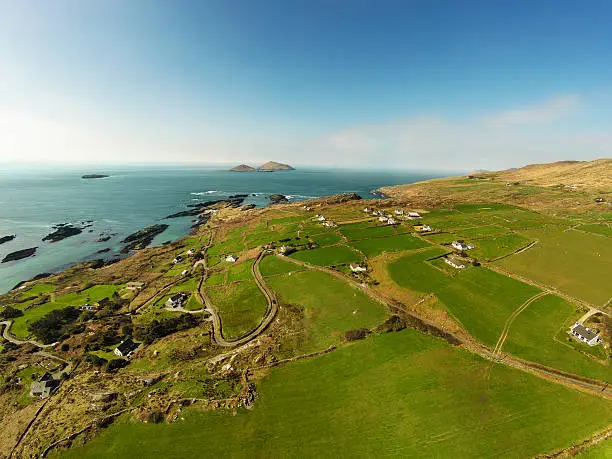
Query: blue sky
point(426, 84)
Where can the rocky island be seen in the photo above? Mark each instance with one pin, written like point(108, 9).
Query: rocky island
point(9, 238)
point(19, 254)
point(62, 231)
point(94, 176)
point(270, 166)
point(141, 239)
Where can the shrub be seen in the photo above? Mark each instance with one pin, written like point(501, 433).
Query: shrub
point(115, 364)
point(54, 325)
point(354, 335)
point(392, 324)
point(10, 312)
point(95, 360)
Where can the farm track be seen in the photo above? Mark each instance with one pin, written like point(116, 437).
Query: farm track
point(592, 386)
point(7, 336)
point(510, 321)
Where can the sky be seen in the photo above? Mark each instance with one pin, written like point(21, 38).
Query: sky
point(411, 84)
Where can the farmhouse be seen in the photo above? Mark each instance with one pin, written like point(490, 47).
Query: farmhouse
point(176, 301)
point(414, 215)
point(455, 262)
point(184, 272)
point(190, 252)
point(367, 210)
point(44, 386)
point(585, 334)
point(87, 307)
point(126, 348)
point(391, 221)
point(422, 228)
point(357, 268)
point(231, 258)
point(459, 245)
point(399, 212)
point(383, 219)
point(320, 218)
point(329, 224)
point(177, 260)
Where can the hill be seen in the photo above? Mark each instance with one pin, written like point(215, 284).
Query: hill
point(274, 166)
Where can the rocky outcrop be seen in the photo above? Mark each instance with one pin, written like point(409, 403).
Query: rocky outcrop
point(93, 176)
point(197, 209)
point(144, 237)
point(9, 238)
point(274, 166)
point(19, 254)
point(278, 199)
point(62, 231)
point(243, 168)
point(335, 199)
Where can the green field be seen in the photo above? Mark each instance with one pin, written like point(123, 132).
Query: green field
point(241, 307)
point(354, 233)
point(328, 256)
point(533, 336)
point(272, 265)
point(330, 307)
point(376, 246)
point(602, 450)
point(494, 247)
point(479, 298)
point(20, 324)
point(576, 263)
point(482, 231)
point(40, 288)
point(597, 228)
point(98, 292)
point(395, 395)
point(325, 239)
point(240, 272)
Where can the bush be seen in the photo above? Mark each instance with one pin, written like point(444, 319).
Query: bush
point(54, 325)
point(160, 328)
point(155, 417)
point(65, 347)
point(392, 324)
point(95, 360)
point(354, 335)
point(10, 312)
point(115, 364)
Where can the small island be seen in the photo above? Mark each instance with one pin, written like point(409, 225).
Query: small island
point(9, 238)
point(243, 168)
point(94, 176)
point(270, 166)
point(19, 254)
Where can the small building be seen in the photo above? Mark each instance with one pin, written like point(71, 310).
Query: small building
point(307, 208)
point(367, 210)
point(44, 387)
point(285, 249)
point(126, 348)
point(190, 252)
point(422, 228)
point(177, 300)
point(455, 262)
point(357, 268)
point(87, 307)
point(383, 219)
point(184, 272)
point(414, 215)
point(599, 199)
point(585, 334)
point(177, 260)
point(391, 221)
point(134, 285)
point(320, 218)
point(399, 212)
point(231, 258)
point(459, 245)
point(376, 212)
point(329, 224)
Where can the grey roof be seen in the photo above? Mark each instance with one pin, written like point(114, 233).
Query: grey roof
point(126, 346)
point(585, 333)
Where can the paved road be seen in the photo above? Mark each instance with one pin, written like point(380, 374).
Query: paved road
point(7, 336)
point(596, 387)
point(216, 320)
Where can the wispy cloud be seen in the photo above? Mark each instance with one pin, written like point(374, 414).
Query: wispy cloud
point(546, 112)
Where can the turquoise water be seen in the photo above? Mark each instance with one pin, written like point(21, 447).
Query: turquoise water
point(31, 201)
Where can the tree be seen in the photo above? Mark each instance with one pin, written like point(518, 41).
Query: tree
point(10, 312)
point(53, 326)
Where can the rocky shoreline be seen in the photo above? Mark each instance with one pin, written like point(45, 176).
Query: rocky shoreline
point(141, 239)
point(19, 254)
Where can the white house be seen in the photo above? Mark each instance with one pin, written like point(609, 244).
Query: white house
point(391, 221)
point(190, 252)
point(382, 218)
point(126, 348)
point(320, 218)
point(184, 272)
point(177, 260)
point(462, 246)
point(357, 268)
point(399, 212)
point(329, 224)
point(455, 262)
point(585, 334)
point(425, 228)
point(231, 258)
point(414, 214)
point(367, 210)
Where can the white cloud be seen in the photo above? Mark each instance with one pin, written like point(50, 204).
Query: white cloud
point(549, 111)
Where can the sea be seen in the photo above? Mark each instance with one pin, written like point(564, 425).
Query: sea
point(34, 199)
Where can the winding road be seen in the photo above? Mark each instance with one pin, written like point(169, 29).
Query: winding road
point(7, 336)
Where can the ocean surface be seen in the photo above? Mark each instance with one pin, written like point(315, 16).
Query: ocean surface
point(33, 200)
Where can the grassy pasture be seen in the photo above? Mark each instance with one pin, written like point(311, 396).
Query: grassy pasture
point(40, 288)
point(481, 231)
point(376, 246)
point(241, 307)
point(495, 247)
point(330, 307)
point(20, 324)
point(597, 228)
point(189, 285)
point(368, 232)
point(576, 263)
point(479, 298)
point(240, 272)
point(326, 239)
point(440, 238)
point(328, 256)
point(98, 292)
point(272, 265)
point(419, 394)
point(226, 247)
point(533, 336)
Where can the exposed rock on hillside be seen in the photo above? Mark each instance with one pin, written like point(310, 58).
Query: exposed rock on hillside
point(278, 199)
